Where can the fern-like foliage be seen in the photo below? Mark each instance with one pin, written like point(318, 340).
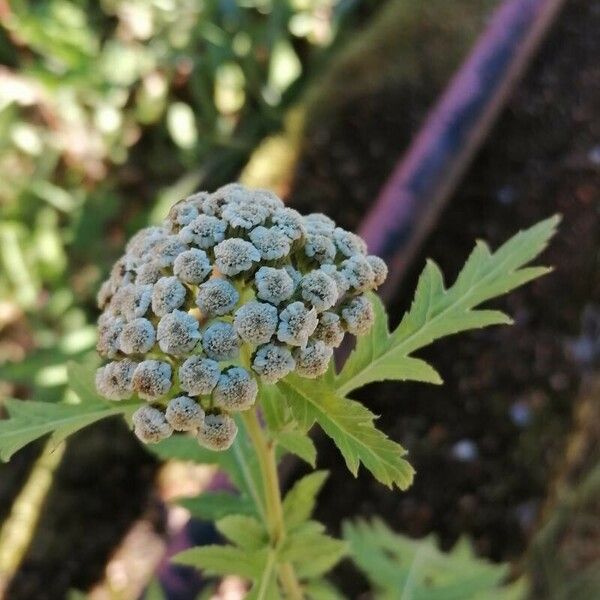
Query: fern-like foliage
point(350, 425)
point(400, 568)
point(437, 311)
point(306, 547)
point(31, 420)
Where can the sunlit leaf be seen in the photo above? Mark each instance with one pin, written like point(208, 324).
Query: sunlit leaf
point(437, 312)
point(299, 502)
point(350, 425)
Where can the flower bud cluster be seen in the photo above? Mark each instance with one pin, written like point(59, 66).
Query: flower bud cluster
point(233, 289)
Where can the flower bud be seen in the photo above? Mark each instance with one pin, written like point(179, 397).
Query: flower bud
point(340, 280)
point(109, 332)
point(358, 315)
point(318, 223)
point(380, 270)
point(144, 241)
point(178, 333)
point(184, 414)
point(204, 231)
point(167, 295)
point(105, 293)
point(217, 432)
point(320, 248)
point(236, 390)
point(192, 266)
point(216, 202)
point(150, 425)
point(166, 251)
point(115, 380)
point(265, 198)
point(256, 322)
point(198, 376)
point(132, 301)
point(137, 337)
point(358, 273)
point(319, 289)
point(329, 330)
point(273, 362)
point(221, 342)
point(152, 379)
point(234, 256)
point(271, 243)
point(273, 285)
point(290, 223)
point(313, 360)
point(148, 273)
point(296, 324)
point(348, 243)
point(245, 215)
point(182, 213)
point(216, 297)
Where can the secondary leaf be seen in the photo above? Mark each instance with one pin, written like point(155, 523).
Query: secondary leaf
point(30, 420)
point(283, 428)
point(350, 425)
point(437, 312)
point(299, 502)
point(243, 531)
point(311, 551)
point(213, 506)
point(298, 443)
point(400, 567)
point(225, 560)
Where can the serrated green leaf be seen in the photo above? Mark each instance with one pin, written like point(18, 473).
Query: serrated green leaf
point(437, 312)
point(30, 420)
point(299, 502)
point(243, 531)
point(383, 365)
point(311, 551)
point(298, 443)
point(350, 425)
point(225, 560)
point(400, 567)
point(212, 506)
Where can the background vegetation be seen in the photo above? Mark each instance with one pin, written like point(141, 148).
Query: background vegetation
point(111, 111)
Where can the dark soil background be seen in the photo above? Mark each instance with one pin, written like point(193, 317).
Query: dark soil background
point(488, 444)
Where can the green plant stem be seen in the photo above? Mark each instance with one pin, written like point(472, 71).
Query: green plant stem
point(265, 452)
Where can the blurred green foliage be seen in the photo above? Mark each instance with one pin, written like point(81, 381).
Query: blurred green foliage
point(109, 112)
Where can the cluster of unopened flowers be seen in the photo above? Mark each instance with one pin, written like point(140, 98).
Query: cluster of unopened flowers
point(231, 287)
